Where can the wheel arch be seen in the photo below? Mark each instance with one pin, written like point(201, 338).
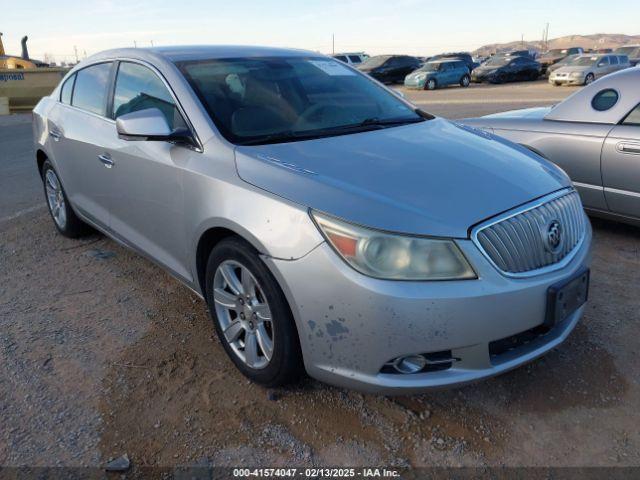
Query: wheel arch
point(41, 157)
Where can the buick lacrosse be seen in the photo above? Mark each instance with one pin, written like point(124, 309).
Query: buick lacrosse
point(331, 226)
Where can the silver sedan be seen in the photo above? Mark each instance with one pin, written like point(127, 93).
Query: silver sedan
point(331, 226)
point(594, 136)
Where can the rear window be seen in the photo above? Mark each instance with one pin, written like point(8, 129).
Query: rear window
point(90, 90)
point(604, 100)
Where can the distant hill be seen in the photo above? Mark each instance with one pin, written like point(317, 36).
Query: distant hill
point(598, 40)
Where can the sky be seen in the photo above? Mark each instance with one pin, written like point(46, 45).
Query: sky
point(416, 27)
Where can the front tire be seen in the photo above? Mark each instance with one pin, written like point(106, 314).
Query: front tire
point(63, 216)
point(431, 84)
point(465, 81)
point(251, 315)
point(589, 79)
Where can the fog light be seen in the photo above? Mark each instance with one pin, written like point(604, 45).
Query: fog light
point(410, 364)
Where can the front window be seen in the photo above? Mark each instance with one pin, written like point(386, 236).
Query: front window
point(138, 88)
point(557, 52)
point(279, 99)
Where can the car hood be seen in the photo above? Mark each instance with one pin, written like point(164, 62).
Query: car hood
point(431, 178)
point(552, 59)
point(571, 69)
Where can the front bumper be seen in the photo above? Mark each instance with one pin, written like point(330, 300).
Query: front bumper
point(413, 83)
point(566, 80)
point(351, 325)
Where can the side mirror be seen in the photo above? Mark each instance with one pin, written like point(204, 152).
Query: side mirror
point(149, 124)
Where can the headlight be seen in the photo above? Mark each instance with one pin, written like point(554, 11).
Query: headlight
point(394, 256)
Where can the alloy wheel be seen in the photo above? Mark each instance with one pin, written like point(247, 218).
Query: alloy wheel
point(243, 313)
point(55, 199)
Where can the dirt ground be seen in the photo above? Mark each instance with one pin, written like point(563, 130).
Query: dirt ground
point(102, 354)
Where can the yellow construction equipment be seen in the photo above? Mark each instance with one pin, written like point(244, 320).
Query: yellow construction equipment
point(23, 81)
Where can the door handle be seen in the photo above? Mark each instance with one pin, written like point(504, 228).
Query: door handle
point(55, 135)
point(630, 148)
point(105, 158)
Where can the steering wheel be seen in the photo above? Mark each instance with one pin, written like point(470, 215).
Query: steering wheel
point(305, 117)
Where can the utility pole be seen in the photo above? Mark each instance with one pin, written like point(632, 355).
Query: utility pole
point(75, 50)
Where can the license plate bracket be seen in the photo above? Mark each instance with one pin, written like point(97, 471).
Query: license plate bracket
point(566, 297)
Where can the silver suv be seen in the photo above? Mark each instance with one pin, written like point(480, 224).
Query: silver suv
point(330, 225)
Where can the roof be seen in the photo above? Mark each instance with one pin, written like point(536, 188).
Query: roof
point(577, 107)
point(199, 52)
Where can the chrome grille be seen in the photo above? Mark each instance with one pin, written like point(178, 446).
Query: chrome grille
point(519, 244)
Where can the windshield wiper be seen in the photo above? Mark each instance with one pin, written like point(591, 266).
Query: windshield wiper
point(365, 125)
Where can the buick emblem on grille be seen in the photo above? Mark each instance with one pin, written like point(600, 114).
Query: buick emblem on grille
point(553, 236)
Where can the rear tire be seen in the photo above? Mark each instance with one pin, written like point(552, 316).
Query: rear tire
point(251, 315)
point(62, 214)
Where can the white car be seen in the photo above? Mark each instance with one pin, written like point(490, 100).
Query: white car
point(353, 59)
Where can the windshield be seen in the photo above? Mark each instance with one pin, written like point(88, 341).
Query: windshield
point(375, 62)
point(628, 51)
point(277, 99)
point(430, 67)
point(568, 60)
point(497, 61)
point(556, 52)
point(585, 61)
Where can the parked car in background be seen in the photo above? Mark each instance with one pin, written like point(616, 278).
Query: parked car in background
point(631, 51)
point(554, 56)
point(439, 73)
point(331, 226)
point(584, 69)
point(464, 56)
point(562, 63)
point(594, 135)
point(506, 69)
point(389, 68)
point(353, 59)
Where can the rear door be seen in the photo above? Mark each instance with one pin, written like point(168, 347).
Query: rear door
point(84, 134)
point(621, 166)
point(147, 199)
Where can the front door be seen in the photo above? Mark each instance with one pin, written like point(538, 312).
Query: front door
point(147, 198)
point(621, 166)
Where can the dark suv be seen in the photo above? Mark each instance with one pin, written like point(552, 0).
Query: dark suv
point(389, 68)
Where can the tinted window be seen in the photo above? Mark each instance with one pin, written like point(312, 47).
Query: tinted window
point(603, 62)
point(138, 88)
point(633, 118)
point(342, 58)
point(67, 90)
point(604, 100)
point(254, 100)
point(90, 91)
point(613, 60)
point(354, 58)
